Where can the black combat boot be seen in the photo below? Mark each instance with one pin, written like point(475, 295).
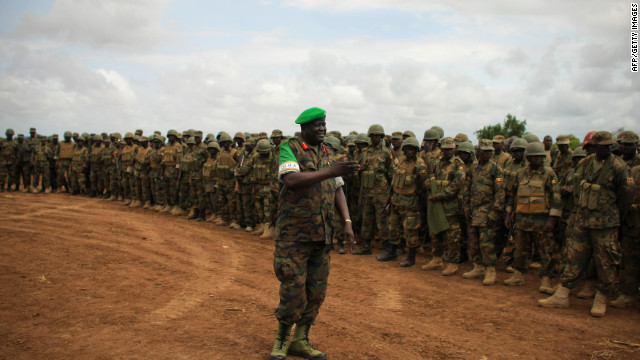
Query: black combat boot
point(201, 215)
point(388, 253)
point(411, 258)
point(196, 214)
point(365, 248)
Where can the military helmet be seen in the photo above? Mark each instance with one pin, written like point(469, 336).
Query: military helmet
point(9, 132)
point(20, 136)
point(333, 141)
point(68, 134)
point(430, 134)
point(173, 132)
point(439, 130)
point(128, 135)
point(224, 137)
point(409, 133)
point(411, 141)
point(602, 138)
point(263, 146)
point(191, 140)
point(240, 135)
point(375, 129)
point(466, 146)
point(139, 132)
point(531, 138)
point(80, 138)
point(362, 138)
point(117, 135)
point(213, 145)
point(76, 134)
point(396, 135)
point(97, 138)
point(460, 138)
point(519, 143)
point(189, 133)
point(578, 153)
point(535, 149)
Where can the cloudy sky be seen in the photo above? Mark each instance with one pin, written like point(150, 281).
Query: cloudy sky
point(95, 66)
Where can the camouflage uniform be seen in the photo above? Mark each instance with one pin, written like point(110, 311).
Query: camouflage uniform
point(170, 160)
point(374, 196)
point(108, 166)
point(196, 185)
point(8, 160)
point(534, 196)
point(501, 159)
point(404, 221)
point(303, 231)
point(53, 171)
point(605, 190)
point(142, 175)
point(448, 177)
point(97, 167)
point(630, 243)
point(42, 157)
point(187, 169)
point(244, 201)
point(227, 161)
point(79, 165)
point(484, 200)
point(23, 166)
point(261, 176)
point(128, 180)
point(209, 184)
point(155, 173)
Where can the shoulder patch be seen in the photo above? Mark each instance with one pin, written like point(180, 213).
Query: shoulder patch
point(499, 179)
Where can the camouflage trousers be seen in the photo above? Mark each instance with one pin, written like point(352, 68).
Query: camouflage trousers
point(185, 188)
point(303, 270)
point(63, 175)
point(43, 174)
point(196, 188)
point(134, 189)
point(374, 218)
point(53, 177)
point(211, 196)
point(144, 187)
point(482, 245)
point(23, 174)
point(125, 181)
point(107, 175)
point(227, 202)
point(170, 185)
point(544, 241)
point(630, 266)
point(7, 175)
point(157, 192)
point(447, 243)
point(245, 206)
point(585, 244)
point(262, 204)
point(404, 220)
point(97, 180)
point(78, 181)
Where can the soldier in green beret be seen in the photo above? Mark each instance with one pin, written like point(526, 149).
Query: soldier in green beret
point(311, 194)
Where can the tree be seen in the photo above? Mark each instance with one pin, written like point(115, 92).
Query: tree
point(511, 126)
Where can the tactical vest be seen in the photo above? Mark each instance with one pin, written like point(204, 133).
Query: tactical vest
point(128, 155)
point(107, 155)
point(305, 213)
point(66, 151)
point(404, 178)
point(482, 184)
point(141, 156)
point(187, 162)
point(155, 160)
point(78, 158)
point(531, 195)
point(226, 164)
point(209, 169)
point(170, 155)
point(96, 156)
point(262, 169)
point(375, 175)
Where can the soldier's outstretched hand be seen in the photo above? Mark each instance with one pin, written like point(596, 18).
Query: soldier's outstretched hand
point(342, 168)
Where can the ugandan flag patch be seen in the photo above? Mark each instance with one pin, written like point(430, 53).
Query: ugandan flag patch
point(554, 181)
point(498, 179)
point(630, 180)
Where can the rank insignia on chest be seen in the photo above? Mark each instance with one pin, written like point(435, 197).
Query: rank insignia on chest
point(499, 180)
point(630, 180)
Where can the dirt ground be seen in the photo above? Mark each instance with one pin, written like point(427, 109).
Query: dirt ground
point(87, 278)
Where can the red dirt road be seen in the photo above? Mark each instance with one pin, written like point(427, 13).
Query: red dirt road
point(88, 278)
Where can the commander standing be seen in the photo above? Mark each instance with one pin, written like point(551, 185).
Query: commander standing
point(310, 194)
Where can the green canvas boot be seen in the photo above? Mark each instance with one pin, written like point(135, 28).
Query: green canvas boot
point(279, 351)
point(300, 345)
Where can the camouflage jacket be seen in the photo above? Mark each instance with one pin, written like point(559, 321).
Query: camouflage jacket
point(95, 158)
point(501, 159)
point(306, 213)
point(243, 170)
point(510, 172)
point(484, 197)
point(24, 155)
point(635, 161)
point(631, 223)
point(378, 172)
point(605, 191)
point(172, 154)
point(227, 162)
point(129, 155)
point(448, 176)
point(143, 161)
point(9, 152)
point(43, 156)
point(534, 197)
point(261, 166)
point(562, 163)
point(80, 159)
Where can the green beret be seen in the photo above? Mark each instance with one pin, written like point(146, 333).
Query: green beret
point(310, 115)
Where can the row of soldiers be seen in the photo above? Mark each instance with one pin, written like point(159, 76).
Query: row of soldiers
point(516, 197)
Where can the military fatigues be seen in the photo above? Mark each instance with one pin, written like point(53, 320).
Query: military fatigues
point(261, 176)
point(374, 195)
point(42, 157)
point(8, 160)
point(303, 231)
point(630, 242)
point(407, 182)
point(23, 166)
point(448, 181)
point(187, 164)
point(501, 159)
point(79, 165)
point(108, 166)
point(484, 200)
point(210, 187)
point(534, 197)
point(142, 175)
point(65, 153)
point(605, 192)
point(196, 186)
point(170, 159)
point(155, 174)
point(127, 161)
point(227, 161)
point(96, 173)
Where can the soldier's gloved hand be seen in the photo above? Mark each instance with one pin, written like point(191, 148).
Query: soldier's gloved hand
point(342, 168)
